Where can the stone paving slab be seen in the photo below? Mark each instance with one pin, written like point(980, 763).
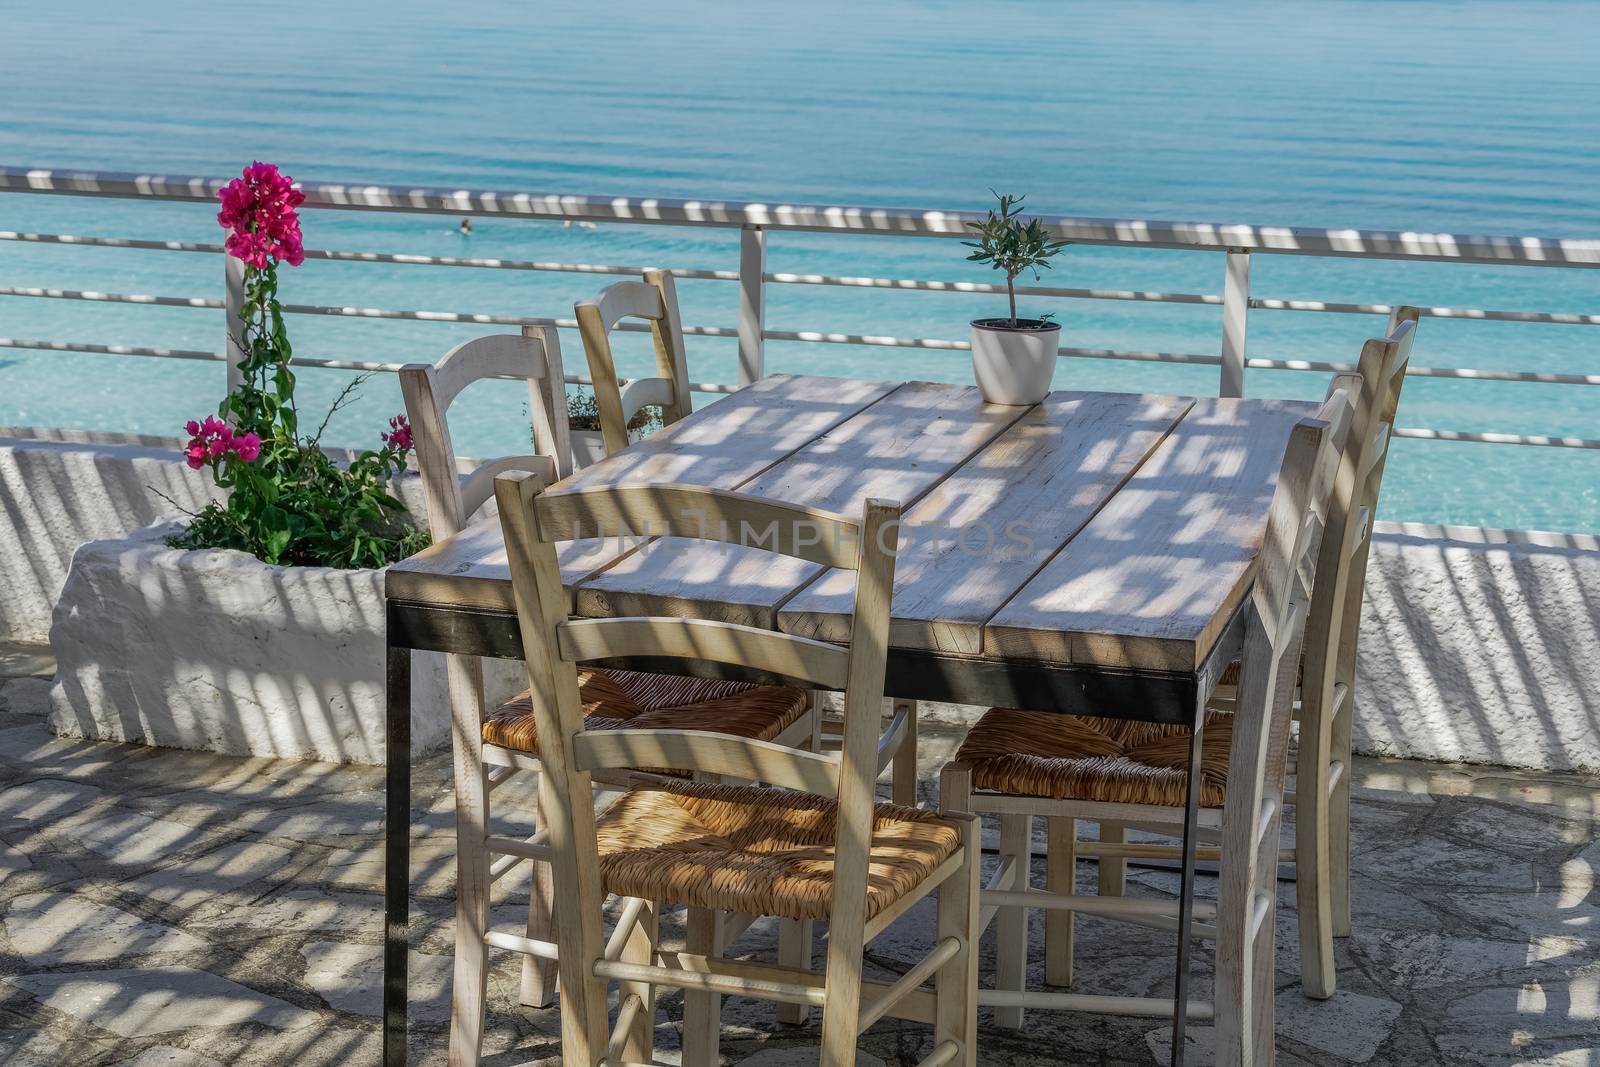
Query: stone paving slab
point(182, 909)
point(145, 1000)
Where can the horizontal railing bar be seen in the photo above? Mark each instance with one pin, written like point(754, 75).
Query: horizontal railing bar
point(108, 242)
point(1135, 233)
point(112, 298)
point(514, 264)
point(1479, 374)
point(111, 350)
point(1474, 314)
point(1257, 362)
point(1421, 434)
point(938, 344)
point(299, 361)
point(378, 257)
point(699, 387)
point(911, 284)
point(988, 288)
point(485, 319)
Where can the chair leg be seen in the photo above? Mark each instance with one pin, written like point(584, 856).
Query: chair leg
point(472, 866)
point(794, 937)
point(1113, 870)
point(1339, 821)
point(702, 1012)
point(1011, 924)
point(956, 983)
point(1313, 868)
point(794, 950)
point(1060, 874)
point(1245, 984)
point(538, 973)
point(904, 767)
point(638, 1044)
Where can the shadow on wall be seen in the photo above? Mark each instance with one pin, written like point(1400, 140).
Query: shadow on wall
point(1483, 653)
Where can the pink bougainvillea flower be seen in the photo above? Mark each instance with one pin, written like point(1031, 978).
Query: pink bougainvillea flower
point(259, 207)
point(248, 447)
point(192, 428)
point(195, 455)
point(399, 435)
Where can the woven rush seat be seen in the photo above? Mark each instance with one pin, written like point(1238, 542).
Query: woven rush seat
point(1230, 674)
point(757, 851)
point(615, 700)
point(1084, 757)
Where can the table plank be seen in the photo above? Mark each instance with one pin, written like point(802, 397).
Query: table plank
point(723, 445)
point(1154, 577)
point(987, 529)
point(897, 449)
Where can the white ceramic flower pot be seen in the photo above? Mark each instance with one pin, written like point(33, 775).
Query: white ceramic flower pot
point(1014, 364)
point(589, 446)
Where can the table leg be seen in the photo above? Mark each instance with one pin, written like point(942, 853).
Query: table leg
point(1191, 810)
point(396, 854)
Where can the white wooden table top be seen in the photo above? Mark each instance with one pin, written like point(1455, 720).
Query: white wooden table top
point(1103, 529)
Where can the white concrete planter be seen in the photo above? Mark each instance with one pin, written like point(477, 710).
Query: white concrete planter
point(217, 650)
point(1014, 364)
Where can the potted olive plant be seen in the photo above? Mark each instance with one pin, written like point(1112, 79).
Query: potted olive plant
point(1013, 359)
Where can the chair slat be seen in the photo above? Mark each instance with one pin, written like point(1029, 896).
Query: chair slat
point(800, 658)
point(710, 753)
point(479, 485)
point(622, 300)
point(499, 355)
point(642, 392)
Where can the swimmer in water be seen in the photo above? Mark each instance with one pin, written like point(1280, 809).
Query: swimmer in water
point(465, 227)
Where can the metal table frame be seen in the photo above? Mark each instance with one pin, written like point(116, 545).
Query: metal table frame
point(1169, 697)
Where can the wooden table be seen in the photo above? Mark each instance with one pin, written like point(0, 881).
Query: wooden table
point(1087, 554)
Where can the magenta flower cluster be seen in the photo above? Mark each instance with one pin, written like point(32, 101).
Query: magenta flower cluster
point(259, 209)
point(399, 435)
point(213, 439)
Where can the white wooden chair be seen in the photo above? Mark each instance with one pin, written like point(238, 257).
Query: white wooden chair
point(1324, 698)
point(1133, 772)
point(612, 698)
point(655, 300)
point(815, 846)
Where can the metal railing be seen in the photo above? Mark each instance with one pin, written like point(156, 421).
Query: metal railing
point(1237, 243)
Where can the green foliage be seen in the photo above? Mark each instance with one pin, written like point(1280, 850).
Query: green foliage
point(292, 504)
point(1011, 244)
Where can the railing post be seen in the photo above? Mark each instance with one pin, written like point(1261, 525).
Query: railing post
point(233, 304)
point(1235, 315)
point(752, 303)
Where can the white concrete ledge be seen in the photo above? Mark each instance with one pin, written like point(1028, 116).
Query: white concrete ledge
point(1484, 650)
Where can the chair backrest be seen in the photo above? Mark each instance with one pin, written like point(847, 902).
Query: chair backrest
point(1335, 615)
point(1287, 578)
point(655, 300)
point(430, 389)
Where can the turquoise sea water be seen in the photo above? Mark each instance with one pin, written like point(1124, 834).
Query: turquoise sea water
point(1465, 117)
